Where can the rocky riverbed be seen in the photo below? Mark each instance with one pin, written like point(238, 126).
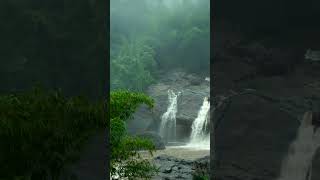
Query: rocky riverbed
point(180, 162)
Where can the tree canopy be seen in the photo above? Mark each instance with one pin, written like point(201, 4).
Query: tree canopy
point(146, 37)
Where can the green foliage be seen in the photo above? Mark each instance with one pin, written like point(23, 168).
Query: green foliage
point(132, 65)
point(195, 177)
point(42, 131)
point(125, 159)
point(149, 35)
point(124, 103)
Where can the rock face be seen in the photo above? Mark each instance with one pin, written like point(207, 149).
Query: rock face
point(154, 137)
point(142, 119)
point(193, 90)
point(258, 111)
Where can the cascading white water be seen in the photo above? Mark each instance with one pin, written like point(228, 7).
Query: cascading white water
point(199, 136)
point(298, 163)
point(168, 119)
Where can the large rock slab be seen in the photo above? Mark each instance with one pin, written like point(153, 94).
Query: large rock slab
point(254, 134)
point(193, 89)
point(253, 130)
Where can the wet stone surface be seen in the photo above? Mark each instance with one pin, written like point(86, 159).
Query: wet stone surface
point(174, 168)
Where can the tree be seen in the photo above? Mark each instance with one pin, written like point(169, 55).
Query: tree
point(125, 160)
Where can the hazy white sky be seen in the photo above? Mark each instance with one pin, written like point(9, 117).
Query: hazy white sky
point(170, 3)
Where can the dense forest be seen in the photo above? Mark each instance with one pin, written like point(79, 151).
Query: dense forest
point(51, 53)
point(53, 63)
point(58, 44)
point(149, 36)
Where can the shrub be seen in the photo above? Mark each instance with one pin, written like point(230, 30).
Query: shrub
point(125, 159)
point(42, 131)
point(195, 177)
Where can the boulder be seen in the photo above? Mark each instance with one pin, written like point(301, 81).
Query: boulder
point(142, 119)
point(154, 137)
point(254, 130)
point(189, 102)
point(194, 80)
point(201, 167)
point(176, 168)
point(173, 168)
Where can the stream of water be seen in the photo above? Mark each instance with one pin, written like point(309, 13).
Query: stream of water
point(200, 137)
point(298, 163)
point(168, 120)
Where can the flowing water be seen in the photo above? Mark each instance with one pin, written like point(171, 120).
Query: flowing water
point(200, 137)
point(298, 163)
point(168, 119)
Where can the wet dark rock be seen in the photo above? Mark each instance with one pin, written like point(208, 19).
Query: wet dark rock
point(142, 119)
point(316, 119)
point(258, 108)
point(202, 166)
point(175, 168)
point(194, 80)
point(154, 137)
point(167, 170)
point(189, 103)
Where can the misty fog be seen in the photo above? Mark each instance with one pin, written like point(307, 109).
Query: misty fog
point(147, 37)
point(160, 56)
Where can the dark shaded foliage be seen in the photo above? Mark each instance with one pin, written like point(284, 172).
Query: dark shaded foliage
point(41, 132)
point(58, 43)
point(290, 23)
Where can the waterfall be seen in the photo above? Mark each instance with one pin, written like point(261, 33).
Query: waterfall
point(298, 163)
point(199, 135)
point(168, 119)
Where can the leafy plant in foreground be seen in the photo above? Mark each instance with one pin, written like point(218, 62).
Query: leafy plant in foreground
point(125, 159)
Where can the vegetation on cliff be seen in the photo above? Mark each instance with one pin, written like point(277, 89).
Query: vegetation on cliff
point(125, 160)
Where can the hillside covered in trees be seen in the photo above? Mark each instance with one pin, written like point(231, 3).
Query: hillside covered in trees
point(155, 47)
point(149, 36)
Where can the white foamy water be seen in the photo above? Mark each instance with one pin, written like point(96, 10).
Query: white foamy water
point(200, 138)
point(298, 163)
point(168, 120)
